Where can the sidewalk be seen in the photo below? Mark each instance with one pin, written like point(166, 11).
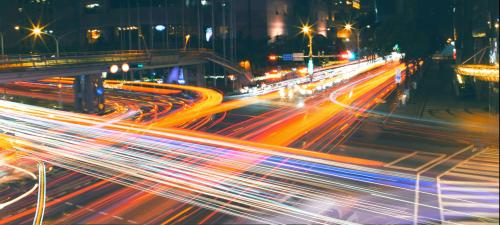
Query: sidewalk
point(434, 99)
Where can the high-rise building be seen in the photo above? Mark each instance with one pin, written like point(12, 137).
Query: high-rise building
point(222, 25)
point(475, 30)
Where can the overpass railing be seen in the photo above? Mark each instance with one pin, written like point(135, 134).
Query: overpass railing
point(20, 58)
point(10, 62)
point(38, 61)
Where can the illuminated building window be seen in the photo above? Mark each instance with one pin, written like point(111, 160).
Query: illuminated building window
point(127, 28)
point(40, 1)
point(92, 5)
point(356, 4)
point(93, 35)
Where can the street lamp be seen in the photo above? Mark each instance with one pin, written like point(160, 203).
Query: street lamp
point(1, 44)
point(37, 31)
point(187, 38)
point(350, 27)
point(307, 30)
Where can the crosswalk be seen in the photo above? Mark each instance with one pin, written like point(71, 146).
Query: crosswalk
point(468, 193)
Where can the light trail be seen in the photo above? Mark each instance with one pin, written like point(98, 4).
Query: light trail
point(29, 192)
point(221, 177)
point(292, 128)
point(40, 204)
point(206, 182)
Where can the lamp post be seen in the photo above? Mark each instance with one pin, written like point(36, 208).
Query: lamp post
point(38, 32)
point(2, 44)
point(186, 42)
point(357, 32)
point(308, 31)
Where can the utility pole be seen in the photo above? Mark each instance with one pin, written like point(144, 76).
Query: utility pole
point(129, 22)
point(151, 28)
point(139, 29)
point(224, 29)
point(167, 25)
point(213, 25)
point(2, 44)
point(199, 23)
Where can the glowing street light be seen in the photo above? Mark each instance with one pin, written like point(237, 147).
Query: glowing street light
point(125, 67)
point(37, 32)
point(114, 69)
point(350, 27)
point(187, 41)
point(307, 30)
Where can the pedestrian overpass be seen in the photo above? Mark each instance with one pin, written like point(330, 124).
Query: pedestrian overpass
point(35, 67)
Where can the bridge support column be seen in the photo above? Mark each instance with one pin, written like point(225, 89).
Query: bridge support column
point(89, 94)
point(200, 75)
point(132, 75)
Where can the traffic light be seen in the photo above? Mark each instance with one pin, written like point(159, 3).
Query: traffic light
point(348, 55)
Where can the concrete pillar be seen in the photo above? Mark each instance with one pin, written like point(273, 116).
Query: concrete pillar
point(89, 94)
point(200, 75)
point(164, 75)
point(132, 77)
point(78, 95)
point(493, 98)
point(101, 107)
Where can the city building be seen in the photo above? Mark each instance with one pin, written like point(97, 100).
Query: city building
point(476, 25)
point(166, 24)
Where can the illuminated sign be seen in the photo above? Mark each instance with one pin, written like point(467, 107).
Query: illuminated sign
point(398, 76)
point(356, 4)
point(287, 57)
point(181, 79)
point(160, 27)
point(92, 5)
point(310, 67)
point(209, 33)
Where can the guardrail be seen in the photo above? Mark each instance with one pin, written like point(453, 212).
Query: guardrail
point(40, 61)
point(5, 59)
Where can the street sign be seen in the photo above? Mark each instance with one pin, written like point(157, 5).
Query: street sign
point(398, 76)
point(310, 67)
point(298, 57)
point(287, 57)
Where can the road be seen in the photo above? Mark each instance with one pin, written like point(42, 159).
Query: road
point(259, 160)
